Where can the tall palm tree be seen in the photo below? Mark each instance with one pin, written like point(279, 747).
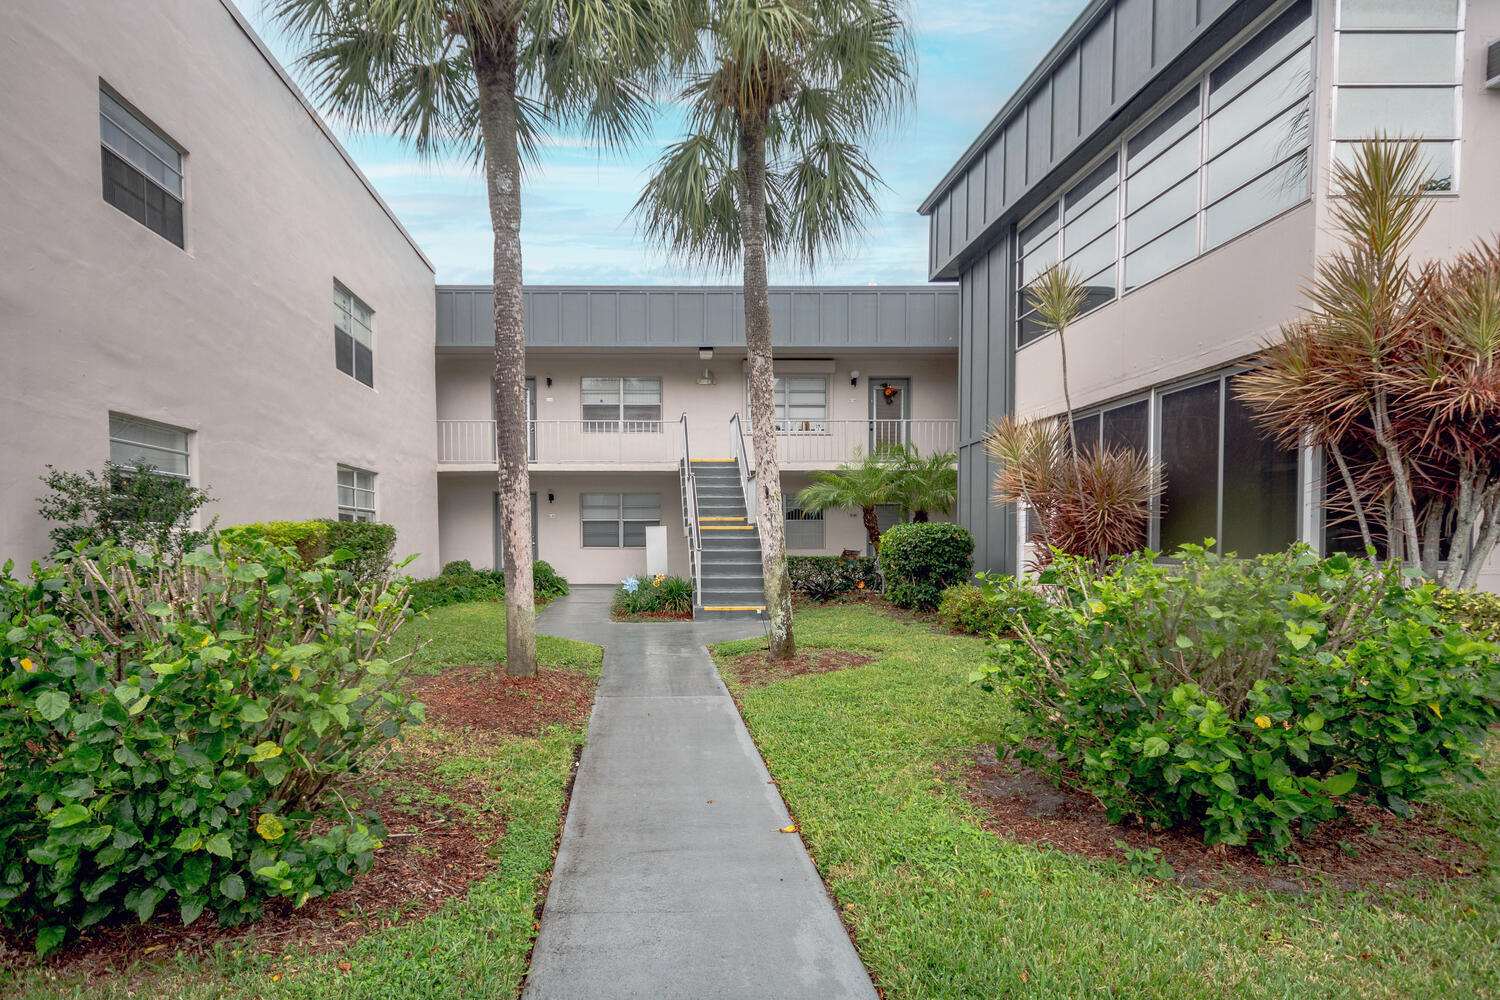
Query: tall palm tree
point(863, 484)
point(486, 77)
point(779, 98)
point(925, 485)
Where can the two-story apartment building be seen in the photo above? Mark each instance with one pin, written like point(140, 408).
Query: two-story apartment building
point(1177, 154)
point(198, 276)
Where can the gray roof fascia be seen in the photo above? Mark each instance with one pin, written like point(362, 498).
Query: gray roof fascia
point(312, 112)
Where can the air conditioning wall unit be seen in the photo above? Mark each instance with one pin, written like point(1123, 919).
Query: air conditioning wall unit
point(1492, 65)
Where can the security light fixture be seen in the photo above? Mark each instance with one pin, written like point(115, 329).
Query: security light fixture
point(854, 377)
point(707, 378)
point(549, 381)
point(705, 353)
point(550, 497)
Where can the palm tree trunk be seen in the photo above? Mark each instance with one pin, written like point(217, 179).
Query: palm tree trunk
point(1062, 347)
point(763, 389)
point(495, 71)
point(872, 527)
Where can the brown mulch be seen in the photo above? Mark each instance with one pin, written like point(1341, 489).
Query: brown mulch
point(759, 669)
point(1367, 848)
point(485, 698)
point(430, 854)
point(653, 616)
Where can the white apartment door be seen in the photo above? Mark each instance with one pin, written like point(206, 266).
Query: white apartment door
point(500, 533)
point(890, 413)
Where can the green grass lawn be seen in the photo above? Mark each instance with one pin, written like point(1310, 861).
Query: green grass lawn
point(472, 947)
point(942, 908)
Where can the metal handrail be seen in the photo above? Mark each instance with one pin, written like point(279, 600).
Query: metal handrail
point(690, 516)
point(747, 475)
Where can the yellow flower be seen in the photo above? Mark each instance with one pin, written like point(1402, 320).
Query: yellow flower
point(1263, 722)
point(27, 665)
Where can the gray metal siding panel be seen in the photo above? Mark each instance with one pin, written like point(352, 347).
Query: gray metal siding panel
point(975, 188)
point(994, 182)
point(1096, 76)
point(1174, 24)
point(604, 319)
point(1039, 135)
point(940, 221)
point(1132, 45)
point(1210, 9)
point(635, 323)
point(720, 310)
point(1065, 105)
point(1015, 160)
point(573, 317)
point(978, 374)
point(946, 331)
point(959, 223)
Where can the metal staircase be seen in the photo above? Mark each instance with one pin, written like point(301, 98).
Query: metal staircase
point(723, 540)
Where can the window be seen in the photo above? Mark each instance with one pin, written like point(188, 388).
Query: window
point(615, 404)
point(142, 170)
point(353, 338)
point(356, 494)
point(1399, 63)
point(1224, 480)
point(618, 520)
point(1229, 154)
point(802, 404)
point(804, 529)
point(133, 442)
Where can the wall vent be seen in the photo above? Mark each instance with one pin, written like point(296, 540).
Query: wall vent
point(1492, 65)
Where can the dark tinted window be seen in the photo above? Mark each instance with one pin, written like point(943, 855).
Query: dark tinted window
point(1190, 452)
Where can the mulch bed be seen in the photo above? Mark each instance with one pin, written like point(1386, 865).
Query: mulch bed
point(428, 858)
point(759, 669)
point(653, 616)
point(485, 698)
point(1370, 847)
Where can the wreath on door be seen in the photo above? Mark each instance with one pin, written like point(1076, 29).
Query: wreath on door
point(890, 392)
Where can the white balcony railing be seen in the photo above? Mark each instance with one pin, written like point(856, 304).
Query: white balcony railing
point(563, 442)
point(612, 442)
point(827, 442)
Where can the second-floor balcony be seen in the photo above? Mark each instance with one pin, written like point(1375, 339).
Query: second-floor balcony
point(806, 444)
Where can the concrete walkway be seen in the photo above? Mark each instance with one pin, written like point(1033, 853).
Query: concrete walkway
point(672, 880)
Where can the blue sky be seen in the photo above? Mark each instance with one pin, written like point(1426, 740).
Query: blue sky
point(972, 54)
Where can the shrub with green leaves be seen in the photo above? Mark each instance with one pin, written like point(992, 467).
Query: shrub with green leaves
point(823, 578)
point(132, 506)
point(996, 607)
point(309, 539)
point(1476, 612)
point(459, 583)
point(188, 734)
point(648, 595)
point(366, 546)
point(1249, 698)
point(922, 560)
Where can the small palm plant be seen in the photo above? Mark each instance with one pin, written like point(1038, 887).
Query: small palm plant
point(925, 485)
point(863, 484)
point(780, 96)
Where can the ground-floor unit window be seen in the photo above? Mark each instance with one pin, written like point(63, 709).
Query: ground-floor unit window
point(1224, 480)
point(133, 442)
point(618, 520)
point(356, 494)
point(804, 528)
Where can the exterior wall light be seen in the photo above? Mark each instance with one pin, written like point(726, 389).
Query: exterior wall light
point(854, 377)
point(705, 353)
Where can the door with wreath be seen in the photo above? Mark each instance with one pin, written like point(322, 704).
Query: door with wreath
point(890, 414)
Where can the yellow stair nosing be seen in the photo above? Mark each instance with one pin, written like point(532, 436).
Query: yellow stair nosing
point(721, 519)
point(717, 461)
point(727, 527)
point(737, 607)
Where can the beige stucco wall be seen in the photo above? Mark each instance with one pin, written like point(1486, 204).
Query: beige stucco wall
point(463, 386)
point(230, 338)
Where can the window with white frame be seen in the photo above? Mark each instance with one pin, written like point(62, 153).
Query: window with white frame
point(1231, 152)
point(1398, 68)
point(804, 528)
point(618, 520)
point(356, 494)
point(801, 404)
point(630, 404)
point(353, 336)
point(136, 442)
point(142, 170)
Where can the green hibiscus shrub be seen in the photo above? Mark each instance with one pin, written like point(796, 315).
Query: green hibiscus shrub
point(823, 578)
point(996, 607)
point(1247, 698)
point(188, 735)
point(922, 560)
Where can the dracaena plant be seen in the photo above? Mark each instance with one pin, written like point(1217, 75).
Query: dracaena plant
point(1394, 369)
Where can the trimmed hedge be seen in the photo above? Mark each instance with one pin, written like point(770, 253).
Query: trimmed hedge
point(993, 609)
point(368, 544)
point(922, 560)
point(460, 582)
point(825, 577)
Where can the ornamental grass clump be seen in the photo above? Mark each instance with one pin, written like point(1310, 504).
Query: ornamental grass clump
point(659, 594)
point(187, 735)
point(1248, 698)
